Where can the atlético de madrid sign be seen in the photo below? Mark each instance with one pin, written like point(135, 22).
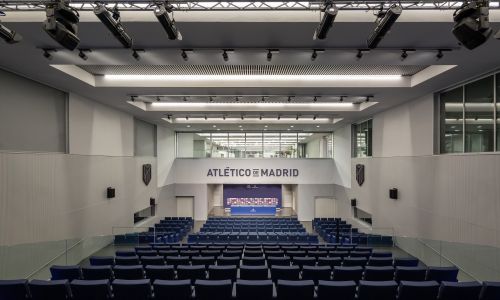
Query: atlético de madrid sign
point(232, 172)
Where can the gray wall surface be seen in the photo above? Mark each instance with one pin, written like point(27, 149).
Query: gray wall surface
point(144, 138)
point(32, 115)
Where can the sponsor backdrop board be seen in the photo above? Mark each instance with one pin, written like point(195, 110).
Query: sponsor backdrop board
point(252, 199)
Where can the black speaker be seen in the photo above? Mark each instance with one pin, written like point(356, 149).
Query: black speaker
point(152, 201)
point(110, 193)
point(353, 202)
point(393, 193)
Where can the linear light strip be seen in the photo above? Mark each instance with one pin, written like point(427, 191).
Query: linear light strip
point(302, 78)
point(248, 105)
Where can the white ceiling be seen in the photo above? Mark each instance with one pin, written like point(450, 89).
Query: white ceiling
point(251, 37)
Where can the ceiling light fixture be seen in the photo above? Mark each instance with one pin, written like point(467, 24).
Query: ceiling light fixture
point(158, 98)
point(236, 78)
point(329, 15)
point(341, 99)
point(184, 54)
point(112, 21)
point(314, 118)
point(225, 52)
point(270, 53)
point(46, 53)
point(10, 36)
point(472, 26)
point(385, 20)
point(237, 99)
point(82, 55)
point(61, 24)
point(315, 99)
point(161, 13)
point(211, 99)
point(440, 54)
point(132, 98)
point(279, 117)
point(184, 99)
point(135, 53)
point(289, 98)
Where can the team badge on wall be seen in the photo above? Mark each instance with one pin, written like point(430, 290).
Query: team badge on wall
point(360, 174)
point(146, 173)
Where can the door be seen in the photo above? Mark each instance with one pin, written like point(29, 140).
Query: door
point(185, 206)
point(324, 207)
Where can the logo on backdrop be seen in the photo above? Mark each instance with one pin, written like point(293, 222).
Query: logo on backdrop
point(228, 172)
point(360, 174)
point(146, 173)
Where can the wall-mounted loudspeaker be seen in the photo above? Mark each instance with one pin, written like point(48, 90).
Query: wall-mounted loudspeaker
point(152, 201)
point(353, 202)
point(110, 193)
point(393, 193)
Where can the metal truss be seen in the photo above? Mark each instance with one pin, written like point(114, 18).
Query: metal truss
point(237, 5)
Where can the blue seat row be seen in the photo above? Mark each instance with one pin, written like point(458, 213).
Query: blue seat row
point(142, 289)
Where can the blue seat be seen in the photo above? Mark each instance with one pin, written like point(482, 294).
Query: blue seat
point(254, 289)
point(142, 253)
point(139, 289)
point(254, 261)
point(410, 273)
point(65, 272)
point(163, 272)
point(354, 262)
point(379, 274)
point(97, 272)
point(222, 272)
point(285, 272)
point(102, 260)
point(278, 261)
point(152, 260)
point(228, 261)
point(380, 262)
point(330, 261)
point(316, 273)
point(125, 253)
point(364, 254)
point(459, 290)
point(491, 291)
point(347, 273)
point(127, 260)
point(253, 272)
point(295, 290)
point(406, 262)
point(440, 274)
point(377, 290)
point(345, 290)
point(172, 289)
point(203, 261)
point(381, 254)
point(49, 290)
point(178, 261)
point(302, 261)
point(418, 290)
point(210, 289)
point(90, 289)
point(128, 272)
point(14, 289)
point(191, 272)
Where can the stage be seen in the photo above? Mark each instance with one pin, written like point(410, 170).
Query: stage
point(219, 211)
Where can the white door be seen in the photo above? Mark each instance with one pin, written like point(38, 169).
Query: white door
point(324, 207)
point(185, 206)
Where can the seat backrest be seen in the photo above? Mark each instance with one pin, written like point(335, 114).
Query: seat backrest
point(49, 290)
point(254, 261)
point(380, 262)
point(278, 261)
point(125, 253)
point(329, 261)
point(406, 262)
point(65, 272)
point(418, 290)
point(97, 272)
point(90, 289)
point(381, 254)
point(191, 272)
point(177, 260)
point(410, 273)
point(253, 272)
point(345, 290)
point(14, 289)
point(222, 272)
point(440, 274)
point(490, 291)
point(206, 289)
point(154, 272)
point(376, 290)
point(128, 272)
point(102, 260)
point(285, 272)
point(254, 289)
point(152, 260)
point(316, 273)
point(295, 290)
point(379, 273)
point(459, 290)
point(139, 289)
point(172, 289)
point(127, 260)
point(228, 260)
point(347, 273)
point(354, 261)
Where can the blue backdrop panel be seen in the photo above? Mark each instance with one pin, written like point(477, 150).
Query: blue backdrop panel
point(253, 210)
point(252, 195)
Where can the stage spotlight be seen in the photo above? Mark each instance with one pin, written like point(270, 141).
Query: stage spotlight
point(314, 118)
point(225, 52)
point(82, 55)
point(279, 117)
point(62, 24)
point(158, 98)
point(9, 36)
point(289, 98)
point(326, 22)
point(341, 99)
point(269, 55)
point(385, 20)
point(440, 54)
point(184, 99)
point(168, 24)
point(315, 99)
point(297, 118)
point(211, 99)
point(135, 53)
point(237, 99)
point(46, 53)
point(113, 23)
point(132, 98)
point(404, 54)
point(472, 26)
point(263, 99)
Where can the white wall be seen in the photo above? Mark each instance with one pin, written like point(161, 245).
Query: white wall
point(95, 129)
point(167, 206)
point(185, 145)
point(342, 156)
point(287, 195)
point(306, 193)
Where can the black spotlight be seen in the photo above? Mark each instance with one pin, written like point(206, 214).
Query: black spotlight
point(46, 53)
point(361, 52)
point(404, 54)
point(135, 53)
point(82, 55)
point(225, 56)
point(185, 99)
point(289, 98)
point(472, 26)
point(326, 23)
point(168, 24)
point(211, 99)
point(113, 23)
point(8, 35)
point(269, 55)
point(341, 99)
point(440, 54)
point(315, 99)
point(384, 22)
point(62, 24)
point(184, 54)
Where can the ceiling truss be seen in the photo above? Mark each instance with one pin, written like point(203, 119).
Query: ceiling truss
point(237, 5)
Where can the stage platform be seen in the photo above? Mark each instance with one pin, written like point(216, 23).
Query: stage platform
point(218, 211)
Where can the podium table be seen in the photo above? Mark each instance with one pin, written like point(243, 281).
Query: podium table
point(253, 210)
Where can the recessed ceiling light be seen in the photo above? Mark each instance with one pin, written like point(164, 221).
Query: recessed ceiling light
point(214, 126)
point(188, 126)
point(241, 129)
point(232, 78)
point(288, 129)
point(218, 129)
point(317, 126)
point(240, 126)
point(291, 126)
point(265, 126)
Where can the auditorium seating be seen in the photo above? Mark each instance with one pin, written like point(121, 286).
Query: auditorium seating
point(168, 230)
point(329, 228)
